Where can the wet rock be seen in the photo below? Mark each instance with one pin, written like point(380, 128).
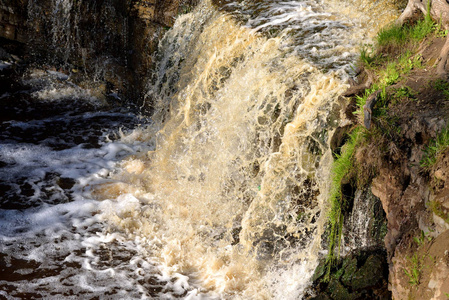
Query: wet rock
point(4, 55)
point(319, 271)
point(350, 268)
point(360, 275)
point(369, 275)
point(112, 41)
point(339, 138)
point(338, 291)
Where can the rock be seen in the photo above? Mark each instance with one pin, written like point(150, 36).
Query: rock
point(319, 271)
point(338, 291)
point(321, 297)
point(339, 137)
point(350, 269)
point(433, 257)
point(368, 108)
point(118, 35)
point(4, 55)
point(369, 275)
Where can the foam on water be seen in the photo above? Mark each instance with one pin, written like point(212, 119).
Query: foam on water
point(55, 86)
point(4, 65)
point(52, 239)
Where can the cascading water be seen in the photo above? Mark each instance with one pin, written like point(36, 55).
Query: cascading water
point(223, 194)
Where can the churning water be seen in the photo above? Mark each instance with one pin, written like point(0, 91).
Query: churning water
point(220, 195)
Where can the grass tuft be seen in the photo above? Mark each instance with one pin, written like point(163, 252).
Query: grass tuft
point(395, 38)
point(393, 35)
point(434, 149)
point(422, 29)
point(414, 271)
point(367, 55)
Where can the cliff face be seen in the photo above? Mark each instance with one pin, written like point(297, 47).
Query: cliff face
point(109, 40)
point(13, 20)
point(409, 122)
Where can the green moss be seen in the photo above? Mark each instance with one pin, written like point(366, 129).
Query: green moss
point(341, 168)
point(438, 209)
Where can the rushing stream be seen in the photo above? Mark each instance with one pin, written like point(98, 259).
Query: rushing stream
point(220, 194)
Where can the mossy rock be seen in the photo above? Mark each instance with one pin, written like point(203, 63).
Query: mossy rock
point(320, 270)
point(320, 297)
point(350, 268)
point(369, 275)
point(338, 291)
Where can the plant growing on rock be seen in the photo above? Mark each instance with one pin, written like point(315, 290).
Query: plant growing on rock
point(438, 210)
point(340, 169)
point(422, 238)
point(434, 149)
point(433, 9)
point(414, 271)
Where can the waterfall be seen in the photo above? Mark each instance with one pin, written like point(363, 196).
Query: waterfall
point(222, 194)
point(234, 193)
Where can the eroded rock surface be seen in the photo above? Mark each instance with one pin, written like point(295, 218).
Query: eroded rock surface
point(107, 40)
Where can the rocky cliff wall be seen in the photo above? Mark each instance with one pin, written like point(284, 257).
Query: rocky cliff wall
point(409, 120)
point(110, 41)
point(13, 20)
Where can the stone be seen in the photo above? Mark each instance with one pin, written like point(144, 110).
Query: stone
point(338, 291)
point(319, 271)
point(350, 269)
point(369, 275)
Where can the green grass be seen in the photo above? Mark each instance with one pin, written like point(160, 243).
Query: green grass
point(434, 149)
point(340, 169)
point(422, 239)
point(415, 269)
point(367, 55)
point(393, 72)
point(393, 35)
point(439, 31)
point(361, 100)
point(404, 92)
point(396, 35)
point(422, 29)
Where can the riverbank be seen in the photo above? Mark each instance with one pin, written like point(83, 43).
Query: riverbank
point(397, 109)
